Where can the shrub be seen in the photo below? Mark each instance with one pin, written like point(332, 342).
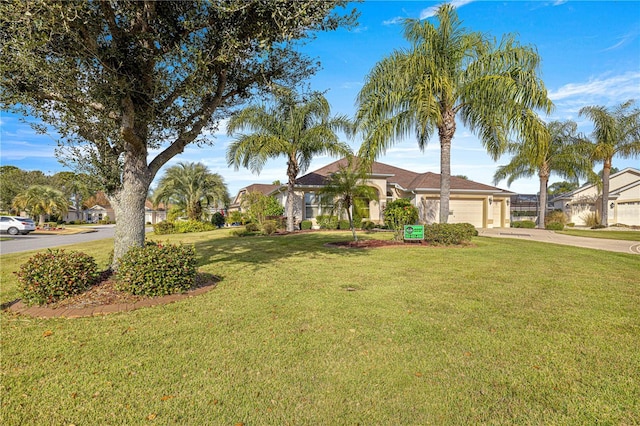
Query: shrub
point(281, 221)
point(591, 219)
point(56, 274)
point(449, 233)
point(368, 225)
point(163, 227)
point(327, 222)
point(252, 227)
point(598, 226)
point(529, 224)
point(557, 216)
point(571, 224)
point(217, 219)
point(269, 227)
point(187, 226)
point(399, 213)
point(554, 226)
point(157, 269)
point(344, 224)
point(305, 224)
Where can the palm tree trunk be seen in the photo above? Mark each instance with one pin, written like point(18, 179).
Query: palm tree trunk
point(542, 208)
point(446, 132)
point(606, 171)
point(353, 228)
point(290, 195)
point(292, 172)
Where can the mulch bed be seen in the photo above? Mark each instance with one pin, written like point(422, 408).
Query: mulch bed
point(104, 293)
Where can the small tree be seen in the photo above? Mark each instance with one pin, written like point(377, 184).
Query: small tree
point(259, 206)
point(399, 213)
point(342, 189)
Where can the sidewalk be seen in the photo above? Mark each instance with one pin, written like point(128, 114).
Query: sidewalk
point(545, 236)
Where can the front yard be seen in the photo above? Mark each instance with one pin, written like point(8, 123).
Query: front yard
point(506, 331)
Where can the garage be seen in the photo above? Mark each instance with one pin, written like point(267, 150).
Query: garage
point(628, 213)
point(467, 211)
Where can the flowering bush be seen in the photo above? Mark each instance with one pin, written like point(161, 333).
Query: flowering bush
point(56, 274)
point(399, 213)
point(157, 269)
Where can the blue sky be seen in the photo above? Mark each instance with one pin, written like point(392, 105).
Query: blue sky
point(590, 56)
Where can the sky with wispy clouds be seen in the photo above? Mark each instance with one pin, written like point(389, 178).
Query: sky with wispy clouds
point(590, 54)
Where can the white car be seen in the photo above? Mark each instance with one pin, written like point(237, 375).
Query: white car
point(14, 225)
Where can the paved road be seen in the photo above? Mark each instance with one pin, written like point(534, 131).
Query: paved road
point(632, 247)
point(21, 243)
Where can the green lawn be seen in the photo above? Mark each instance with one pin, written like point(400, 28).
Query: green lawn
point(610, 235)
point(505, 332)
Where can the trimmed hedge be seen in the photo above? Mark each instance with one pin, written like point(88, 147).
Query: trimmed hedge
point(55, 275)
point(529, 224)
point(554, 226)
point(449, 233)
point(367, 225)
point(306, 224)
point(343, 224)
point(157, 269)
point(327, 222)
point(182, 227)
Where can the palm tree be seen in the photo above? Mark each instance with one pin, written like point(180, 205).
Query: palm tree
point(343, 188)
point(616, 133)
point(553, 148)
point(449, 72)
point(296, 130)
point(190, 186)
point(41, 200)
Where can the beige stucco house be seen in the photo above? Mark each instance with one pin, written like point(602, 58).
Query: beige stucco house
point(624, 200)
point(266, 189)
point(483, 206)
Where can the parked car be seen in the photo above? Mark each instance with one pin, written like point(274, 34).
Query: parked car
point(14, 225)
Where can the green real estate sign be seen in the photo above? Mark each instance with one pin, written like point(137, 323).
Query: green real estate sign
point(414, 232)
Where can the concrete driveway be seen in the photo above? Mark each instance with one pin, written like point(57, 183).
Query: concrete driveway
point(542, 235)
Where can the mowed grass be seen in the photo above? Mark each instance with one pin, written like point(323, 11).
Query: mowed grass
point(611, 235)
point(504, 332)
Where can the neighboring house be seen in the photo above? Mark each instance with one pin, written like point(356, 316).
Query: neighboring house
point(483, 206)
point(154, 214)
point(97, 213)
point(236, 205)
point(624, 200)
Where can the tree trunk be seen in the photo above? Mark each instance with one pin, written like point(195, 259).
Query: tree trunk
point(128, 205)
point(353, 228)
point(446, 132)
point(292, 172)
point(542, 208)
point(606, 171)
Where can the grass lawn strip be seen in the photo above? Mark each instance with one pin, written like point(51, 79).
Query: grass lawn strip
point(507, 331)
point(605, 234)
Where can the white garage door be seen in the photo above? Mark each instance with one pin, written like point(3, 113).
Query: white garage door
point(469, 211)
point(628, 213)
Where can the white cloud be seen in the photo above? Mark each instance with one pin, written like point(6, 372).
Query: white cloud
point(431, 11)
point(394, 21)
point(615, 88)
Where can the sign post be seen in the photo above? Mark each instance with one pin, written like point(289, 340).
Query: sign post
point(414, 232)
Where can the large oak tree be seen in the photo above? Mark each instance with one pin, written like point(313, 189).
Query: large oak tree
point(121, 79)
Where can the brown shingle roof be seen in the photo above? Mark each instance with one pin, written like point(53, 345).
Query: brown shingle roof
point(406, 179)
point(432, 181)
point(396, 175)
point(264, 188)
